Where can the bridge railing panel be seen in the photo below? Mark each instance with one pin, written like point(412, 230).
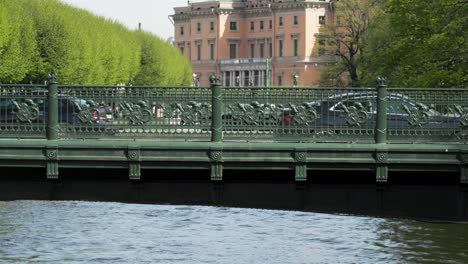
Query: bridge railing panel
point(427, 115)
point(23, 111)
point(137, 112)
point(302, 114)
point(293, 114)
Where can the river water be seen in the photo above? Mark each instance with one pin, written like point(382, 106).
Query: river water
point(85, 232)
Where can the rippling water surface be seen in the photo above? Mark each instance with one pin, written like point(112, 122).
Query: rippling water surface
point(83, 232)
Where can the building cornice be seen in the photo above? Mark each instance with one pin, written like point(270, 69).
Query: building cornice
point(249, 10)
point(298, 5)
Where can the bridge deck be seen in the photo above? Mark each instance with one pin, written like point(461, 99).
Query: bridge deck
point(218, 130)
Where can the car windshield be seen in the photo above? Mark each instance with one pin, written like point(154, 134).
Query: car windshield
point(398, 104)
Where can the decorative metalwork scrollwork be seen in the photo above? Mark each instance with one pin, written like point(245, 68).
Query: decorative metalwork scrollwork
point(356, 114)
point(254, 113)
point(381, 157)
point(300, 157)
point(216, 156)
point(27, 111)
point(304, 115)
point(138, 113)
point(51, 154)
point(86, 111)
point(463, 112)
point(418, 115)
point(133, 155)
point(193, 113)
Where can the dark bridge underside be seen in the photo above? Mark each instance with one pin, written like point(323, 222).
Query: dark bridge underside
point(331, 192)
point(427, 181)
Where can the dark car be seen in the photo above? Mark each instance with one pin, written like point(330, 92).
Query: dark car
point(359, 110)
point(72, 110)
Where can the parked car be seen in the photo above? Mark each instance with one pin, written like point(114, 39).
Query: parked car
point(72, 110)
point(359, 109)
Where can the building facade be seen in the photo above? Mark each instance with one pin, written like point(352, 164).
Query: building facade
point(254, 42)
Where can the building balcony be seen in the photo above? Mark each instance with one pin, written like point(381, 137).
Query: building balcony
point(304, 59)
point(203, 62)
point(244, 61)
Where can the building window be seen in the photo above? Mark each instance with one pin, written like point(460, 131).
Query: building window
point(181, 31)
point(233, 51)
point(181, 49)
point(252, 50)
point(212, 51)
point(261, 25)
point(198, 27)
point(295, 47)
point(252, 25)
point(270, 24)
point(296, 20)
point(280, 80)
point(280, 48)
point(270, 50)
point(198, 52)
point(233, 25)
point(322, 20)
point(262, 50)
point(280, 22)
point(211, 25)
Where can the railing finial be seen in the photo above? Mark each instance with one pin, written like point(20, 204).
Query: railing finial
point(381, 81)
point(51, 77)
point(215, 80)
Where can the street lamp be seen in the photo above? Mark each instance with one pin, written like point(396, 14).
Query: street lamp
point(295, 77)
point(195, 80)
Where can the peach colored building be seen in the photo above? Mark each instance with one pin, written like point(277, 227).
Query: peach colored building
point(253, 42)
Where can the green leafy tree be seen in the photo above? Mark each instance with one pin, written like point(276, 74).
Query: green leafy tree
point(345, 39)
point(419, 44)
point(41, 36)
point(161, 63)
point(18, 49)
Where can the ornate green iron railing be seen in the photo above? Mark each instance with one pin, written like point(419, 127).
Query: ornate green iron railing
point(234, 113)
point(23, 111)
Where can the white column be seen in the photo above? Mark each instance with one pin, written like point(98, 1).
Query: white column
point(262, 76)
point(251, 78)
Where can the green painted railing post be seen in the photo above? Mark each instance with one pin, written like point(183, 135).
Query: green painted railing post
point(381, 155)
point(381, 126)
point(216, 109)
point(53, 114)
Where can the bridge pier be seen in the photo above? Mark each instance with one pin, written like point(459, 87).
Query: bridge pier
point(52, 170)
point(216, 164)
point(300, 159)
point(52, 164)
point(381, 174)
point(134, 171)
point(300, 173)
point(134, 163)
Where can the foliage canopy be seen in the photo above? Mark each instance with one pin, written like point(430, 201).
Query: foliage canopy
point(412, 43)
point(41, 36)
